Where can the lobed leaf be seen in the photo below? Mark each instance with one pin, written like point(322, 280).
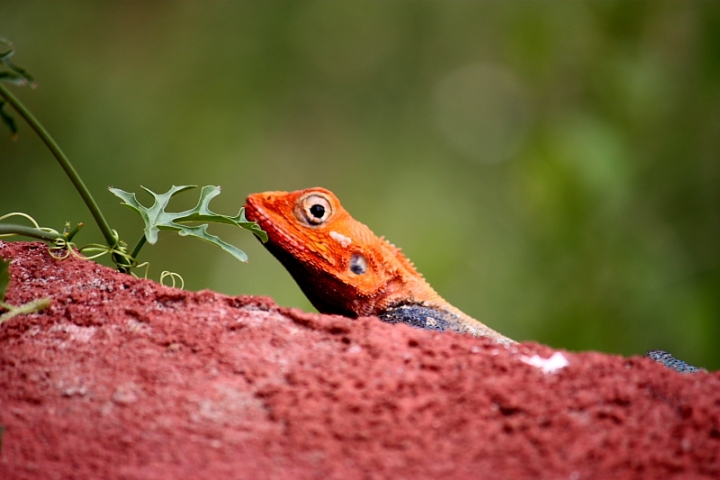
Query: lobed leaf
point(156, 218)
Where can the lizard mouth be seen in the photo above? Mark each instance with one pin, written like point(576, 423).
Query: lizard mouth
point(255, 213)
point(252, 211)
point(276, 235)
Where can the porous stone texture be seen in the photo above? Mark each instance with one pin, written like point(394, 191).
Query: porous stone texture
point(122, 378)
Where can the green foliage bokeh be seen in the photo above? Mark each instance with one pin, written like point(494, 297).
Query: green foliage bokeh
point(553, 168)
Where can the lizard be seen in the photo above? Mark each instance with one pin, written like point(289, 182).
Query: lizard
point(344, 268)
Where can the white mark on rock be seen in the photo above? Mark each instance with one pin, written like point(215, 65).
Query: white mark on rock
point(126, 394)
point(80, 391)
point(342, 239)
point(79, 334)
point(548, 365)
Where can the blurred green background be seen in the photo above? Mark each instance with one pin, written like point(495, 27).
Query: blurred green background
point(553, 168)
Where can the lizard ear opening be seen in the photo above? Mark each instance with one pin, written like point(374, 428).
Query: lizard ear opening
point(358, 264)
point(315, 209)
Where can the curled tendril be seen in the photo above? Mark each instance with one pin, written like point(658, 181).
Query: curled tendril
point(173, 276)
point(30, 219)
point(146, 266)
point(66, 248)
point(19, 214)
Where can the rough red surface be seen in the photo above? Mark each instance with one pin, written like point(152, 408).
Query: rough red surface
point(123, 378)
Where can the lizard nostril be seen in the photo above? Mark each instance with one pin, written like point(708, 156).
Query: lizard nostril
point(358, 264)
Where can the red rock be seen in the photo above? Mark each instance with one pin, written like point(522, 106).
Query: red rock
point(124, 378)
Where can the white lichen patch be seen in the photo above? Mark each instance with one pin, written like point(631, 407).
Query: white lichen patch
point(136, 326)
point(76, 333)
point(127, 393)
point(548, 365)
point(340, 238)
point(226, 404)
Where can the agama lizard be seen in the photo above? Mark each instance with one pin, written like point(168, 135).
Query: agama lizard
point(344, 268)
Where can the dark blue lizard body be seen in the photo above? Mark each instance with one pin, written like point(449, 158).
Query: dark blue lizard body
point(663, 357)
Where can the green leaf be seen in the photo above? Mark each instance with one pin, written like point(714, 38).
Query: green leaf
point(9, 52)
point(156, 218)
point(4, 277)
point(12, 78)
point(17, 75)
point(7, 119)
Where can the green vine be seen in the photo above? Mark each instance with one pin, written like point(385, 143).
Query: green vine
point(155, 217)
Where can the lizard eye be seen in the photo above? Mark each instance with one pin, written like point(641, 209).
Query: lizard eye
point(316, 209)
point(358, 264)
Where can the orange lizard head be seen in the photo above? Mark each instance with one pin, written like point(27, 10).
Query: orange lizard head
point(338, 262)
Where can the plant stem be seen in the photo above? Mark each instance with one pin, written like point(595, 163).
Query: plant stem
point(6, 228)
point(135, 252)
point(138, 246)
point(64, 163)
point(32, 307)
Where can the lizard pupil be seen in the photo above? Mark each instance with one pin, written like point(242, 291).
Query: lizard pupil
point(358, 264)
point(317, 211)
